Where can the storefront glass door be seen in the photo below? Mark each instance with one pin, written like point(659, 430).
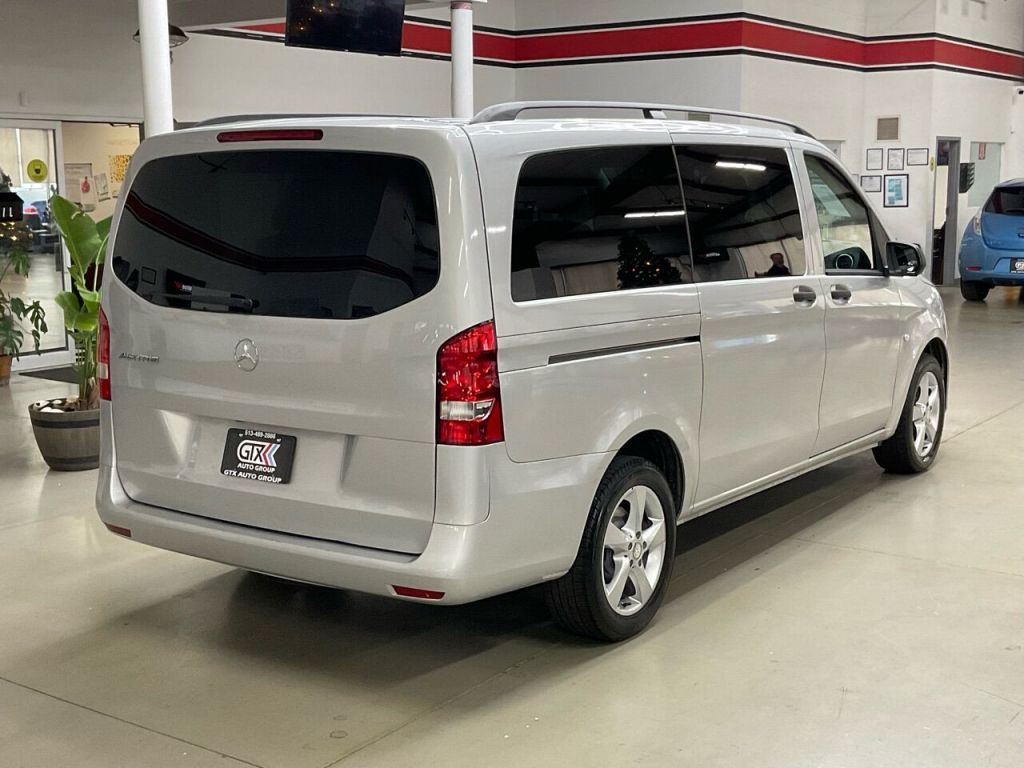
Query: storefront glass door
point(30, 154)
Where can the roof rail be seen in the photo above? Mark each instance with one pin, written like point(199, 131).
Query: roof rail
point(226, 119)
point(510, 111)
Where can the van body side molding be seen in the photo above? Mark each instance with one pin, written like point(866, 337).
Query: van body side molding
point(586, 354)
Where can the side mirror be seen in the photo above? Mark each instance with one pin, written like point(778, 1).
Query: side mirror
point(904, 260)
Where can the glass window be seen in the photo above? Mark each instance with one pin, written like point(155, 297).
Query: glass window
point(843, 218)
point(598, 220)
point(1008, 201)
point(284, 233)
point(743, 213)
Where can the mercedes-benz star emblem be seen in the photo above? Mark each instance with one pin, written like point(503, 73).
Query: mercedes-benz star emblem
point(247, 355)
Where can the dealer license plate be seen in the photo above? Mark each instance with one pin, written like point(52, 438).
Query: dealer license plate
point(255, 454)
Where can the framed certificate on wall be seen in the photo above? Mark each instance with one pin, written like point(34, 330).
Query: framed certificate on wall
point(871, 183)
point(897, 192)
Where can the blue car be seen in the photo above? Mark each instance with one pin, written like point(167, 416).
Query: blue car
point(992, 251)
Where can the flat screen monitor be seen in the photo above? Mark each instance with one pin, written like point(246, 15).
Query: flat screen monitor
point(361, 26)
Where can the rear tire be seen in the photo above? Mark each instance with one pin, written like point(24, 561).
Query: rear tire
point(912, 449)
point(973, 291)
point(624, 563)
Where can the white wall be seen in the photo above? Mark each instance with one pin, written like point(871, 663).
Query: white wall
point(711, 82)
point(225, 76)
point(69, 58)
point(1013, 155)
point(1003, 24)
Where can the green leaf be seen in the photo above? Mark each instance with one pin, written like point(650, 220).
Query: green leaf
point(21, 262)
point(91, 301)
point(75, 313)
point(81, 235)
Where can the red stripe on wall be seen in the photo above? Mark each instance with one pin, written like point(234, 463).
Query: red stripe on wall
point(798, 42)
point(630, 41)
point(273, 28)
point(694, 37)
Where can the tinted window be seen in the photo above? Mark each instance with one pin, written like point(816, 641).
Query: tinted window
point(743, 213)
point(843, 218)
point(283, 233)
point(597, 220)
point(1006, 200)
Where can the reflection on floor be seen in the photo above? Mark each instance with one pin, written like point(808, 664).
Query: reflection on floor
point(43, 284)
point(847, 618)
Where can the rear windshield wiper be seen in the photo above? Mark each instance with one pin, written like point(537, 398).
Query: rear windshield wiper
point(232, 302)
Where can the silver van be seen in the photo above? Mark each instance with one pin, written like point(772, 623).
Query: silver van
point(440, 360)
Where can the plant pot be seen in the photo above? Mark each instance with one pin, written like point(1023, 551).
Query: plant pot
point(68, 439)
point(5, 370)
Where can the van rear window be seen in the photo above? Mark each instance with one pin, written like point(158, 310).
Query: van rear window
point(315, 234)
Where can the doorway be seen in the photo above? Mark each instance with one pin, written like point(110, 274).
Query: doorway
point(30, 167)
point(945, 227)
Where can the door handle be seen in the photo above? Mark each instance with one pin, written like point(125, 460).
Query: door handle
point(841, 294)
point(804, 295)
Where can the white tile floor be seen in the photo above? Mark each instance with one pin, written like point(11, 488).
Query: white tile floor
point(844, 619)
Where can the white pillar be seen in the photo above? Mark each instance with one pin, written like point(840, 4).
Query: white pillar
point(157, 104)
point(462, 58)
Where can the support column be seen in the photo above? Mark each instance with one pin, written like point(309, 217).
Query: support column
point(462, 58)
point(157, 101)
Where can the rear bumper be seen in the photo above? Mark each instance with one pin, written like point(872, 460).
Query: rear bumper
point(981, 264)
point(529, 536)
point(992, 278)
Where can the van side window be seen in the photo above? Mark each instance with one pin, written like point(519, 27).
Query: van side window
point(743, 212)
point(598, 220)
point(843, 218)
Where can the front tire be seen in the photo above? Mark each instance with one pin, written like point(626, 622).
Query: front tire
point(912, 449)
point(973, 291)
point(624, 563)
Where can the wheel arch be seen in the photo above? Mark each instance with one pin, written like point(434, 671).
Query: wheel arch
point(661, 450)
point(937, 349)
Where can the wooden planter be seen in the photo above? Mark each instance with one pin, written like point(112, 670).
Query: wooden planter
point(5, 370)
point(69, 440)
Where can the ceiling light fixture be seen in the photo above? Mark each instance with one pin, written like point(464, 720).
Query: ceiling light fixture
point(654, 214)
point(741, 166)
point(175, 34)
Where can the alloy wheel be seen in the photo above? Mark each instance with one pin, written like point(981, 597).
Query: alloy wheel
point(634, 550)
point(927, 414)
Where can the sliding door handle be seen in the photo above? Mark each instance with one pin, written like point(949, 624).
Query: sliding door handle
point(804, 295)
point(841, 294)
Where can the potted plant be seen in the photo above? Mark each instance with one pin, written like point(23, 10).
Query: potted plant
point(15, 312)
point(67, 429)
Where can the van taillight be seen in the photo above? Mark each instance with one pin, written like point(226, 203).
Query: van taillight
point(468, 395)
point(103, 357)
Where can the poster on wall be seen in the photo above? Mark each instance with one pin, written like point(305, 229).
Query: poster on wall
point(874, 160)
point(102, 187)
point(896, 160)
point(79, 184)
point(918, 156)
point(118, 169)
point(897, 193)
point(871, 183)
